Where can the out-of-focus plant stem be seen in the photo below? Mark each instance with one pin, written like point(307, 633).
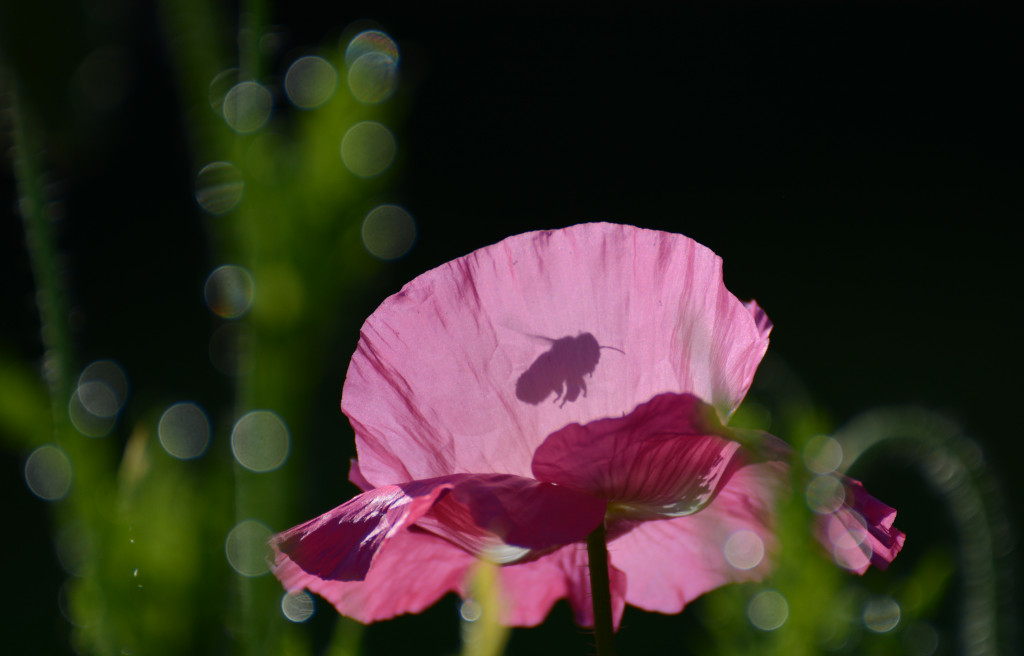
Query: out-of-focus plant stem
point(604, 629)
point(485, 635)
point(53, 315)
point(252, 18)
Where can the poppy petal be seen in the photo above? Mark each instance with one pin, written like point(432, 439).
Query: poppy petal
point(671, 562)
point(506, 518)
point(500, 517)
point(667, 458)
point(531, 589)
point(473, 364)
point(860, 532)
point(342, 544)
point(409, 574)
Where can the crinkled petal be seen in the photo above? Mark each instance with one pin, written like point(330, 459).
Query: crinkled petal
point(507, 518)
point(860, 532)
point(671, 562)
point(667, 458)
point(500, 517)
point(473, 364)
point(410, 573)
point(416, 568)
point(531, 589)
point(342, 544)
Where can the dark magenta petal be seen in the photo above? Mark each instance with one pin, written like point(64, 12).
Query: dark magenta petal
point(859, 532)
point(505, 518)
point(342, 544)
point(764, 324)
point(667, 458)
point(496, 516)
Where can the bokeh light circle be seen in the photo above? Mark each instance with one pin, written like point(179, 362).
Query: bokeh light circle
point(849, 541)
point(184, 431)
point(48, 472)
point(881, 614)
point(247, 107)
point(373, 78)
point(744, 549)
point(298, 607)
point(99, 396)
point(219, 187)
point(112, 376)
point(229, 291)
point(470, 610)
point(246, 548)
point(768, 610)
point(260, 441)
point(310, 82)
point(219, 86)
point(388, 232)
point(84, 421)
point(825, 494)
point(370, 41)
point(368, 149)
point(98, 399)
point(823, 454)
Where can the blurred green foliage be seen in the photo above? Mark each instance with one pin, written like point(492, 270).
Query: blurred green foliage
point(141, 534)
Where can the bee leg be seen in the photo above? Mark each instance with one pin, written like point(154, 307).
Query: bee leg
point(559, 394)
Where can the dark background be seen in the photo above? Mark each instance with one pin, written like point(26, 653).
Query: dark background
point(858, 167)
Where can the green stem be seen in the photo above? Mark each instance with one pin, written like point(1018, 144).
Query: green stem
point(604, 629)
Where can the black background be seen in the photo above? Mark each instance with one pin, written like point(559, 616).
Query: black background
point(857, 165)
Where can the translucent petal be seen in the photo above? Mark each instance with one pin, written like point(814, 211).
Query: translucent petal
point(473, 364)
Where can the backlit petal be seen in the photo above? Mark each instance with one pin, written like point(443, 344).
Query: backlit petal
point(671, 562)
point(855, 527)
point(506, 518)
point(342, 544)
point(496, 516)
point(473, 364)
point(667, 458)
point(532, 588)
point(410, 573)
point(860, 532)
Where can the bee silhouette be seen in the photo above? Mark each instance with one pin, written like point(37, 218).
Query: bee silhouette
point(561, 369)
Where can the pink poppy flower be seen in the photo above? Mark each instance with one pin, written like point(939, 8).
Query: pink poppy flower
point(508, 402)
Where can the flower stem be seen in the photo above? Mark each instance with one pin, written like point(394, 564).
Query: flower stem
point(604, 630)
